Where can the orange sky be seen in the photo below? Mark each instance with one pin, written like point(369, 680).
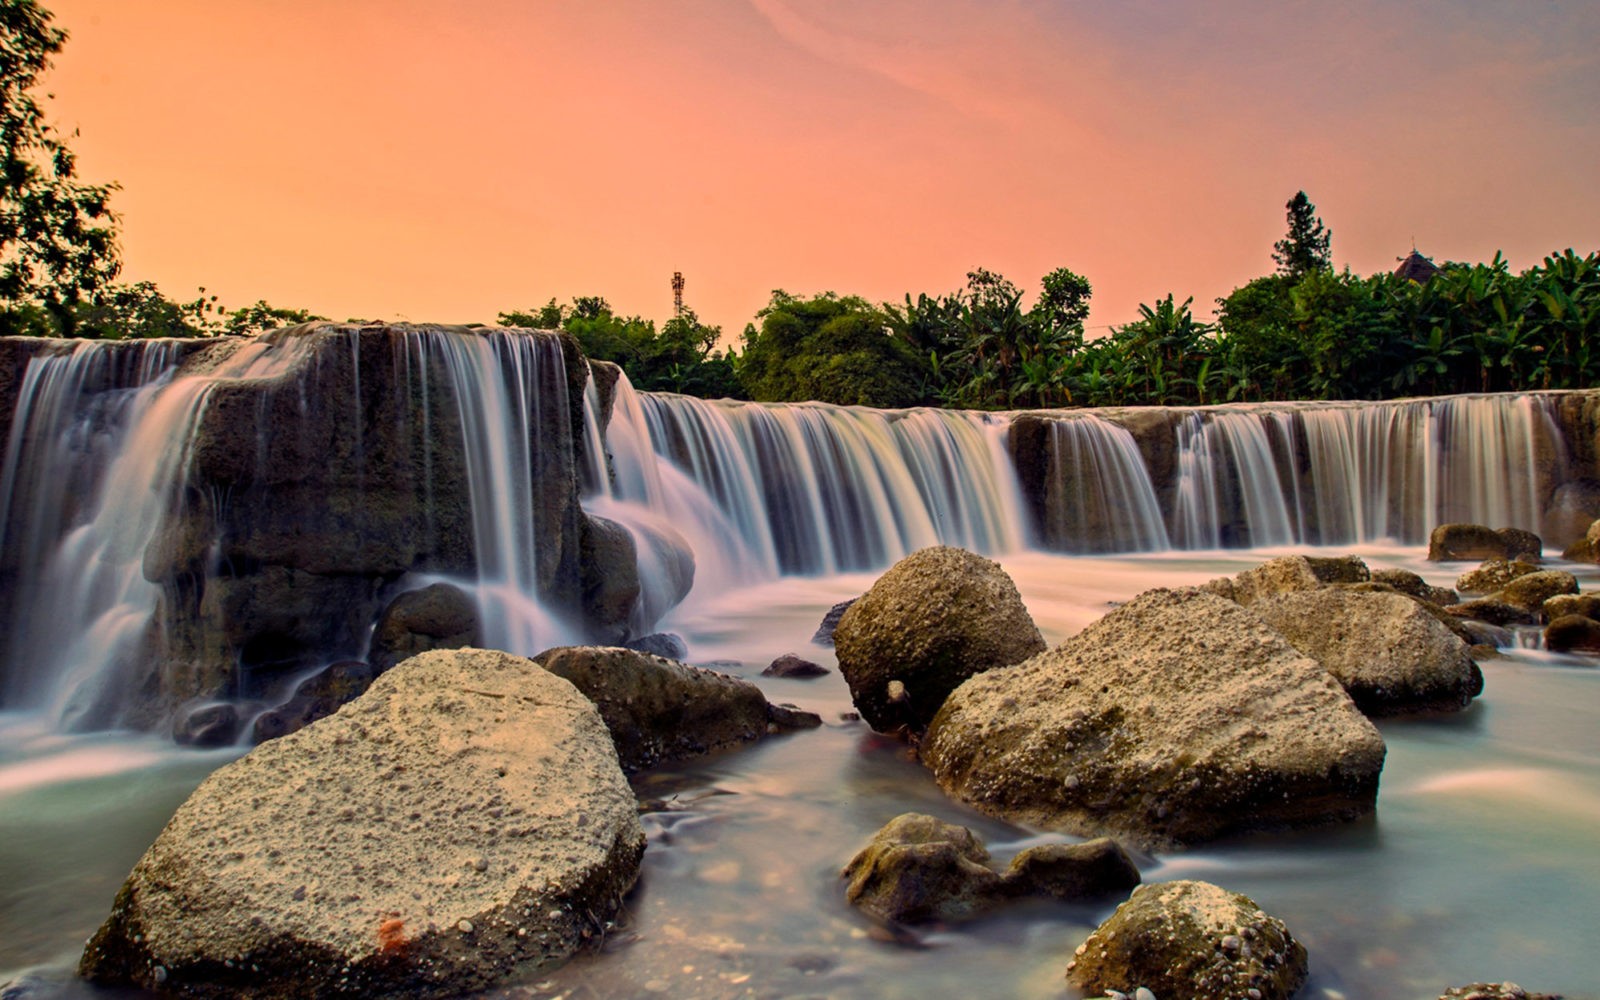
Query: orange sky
point(443, 161)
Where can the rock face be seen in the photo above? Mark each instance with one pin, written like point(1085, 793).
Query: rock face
point(439, 616)
point(1390, 655)
point(463, 820)
point(919, 868)
point(1191, 940)
point(1177, 718)
point(658, 709)
point(934, 619)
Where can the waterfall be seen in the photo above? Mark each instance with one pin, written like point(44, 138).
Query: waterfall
point(814, 489)
point(1105, 501)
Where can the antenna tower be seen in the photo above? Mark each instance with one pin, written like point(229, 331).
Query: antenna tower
point(677, 293)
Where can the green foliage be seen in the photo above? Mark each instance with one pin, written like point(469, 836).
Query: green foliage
point(832, 349)
point(57, 237)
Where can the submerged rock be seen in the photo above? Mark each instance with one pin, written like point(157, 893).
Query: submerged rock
point(1494, 991)
point(438, 616)
point(823, 636)
point(668, 645)
point(937, 617)
point(919, 868)
point(1390, 655)
point(1452, 542)
point(206, 723)
point(1191, 941)
point(315, 698)
point(790, 665)
point(1572, 634)
point(1494, 574)
point(658, 709)
point(463, 820)
point(1178, 718)
point(1529, 592)
point(1493, 611)
point(608, 572)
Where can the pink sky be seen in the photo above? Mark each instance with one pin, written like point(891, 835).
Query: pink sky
point(443, 161)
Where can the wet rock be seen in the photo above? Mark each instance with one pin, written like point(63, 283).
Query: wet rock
point(1572, 634)
point(1407, 582)
point(1587, 605)
point(1192, 940)
point(206, 723)
point(1287, 574)
point(1451, 542)
point(1495, 612)
point(438, 616)
point(316, 697)
point(1485, 634)
point(465, 789)
point(609, 577)
point(1573, 506)
point(1494, 574)
point(659, 709)
point(919, 868)
point(664, 644)
point(1071, 872)
point(1529, 592)
point(785, 718)
point(1494, 991)
point(1178, 718)
point(790, 665)
point(934, 619)
point(1390, 655)
point(830, 621)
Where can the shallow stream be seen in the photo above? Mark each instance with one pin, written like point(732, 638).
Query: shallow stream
point(1481, 863)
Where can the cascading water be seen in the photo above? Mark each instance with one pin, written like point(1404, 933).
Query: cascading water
point(1106, 502)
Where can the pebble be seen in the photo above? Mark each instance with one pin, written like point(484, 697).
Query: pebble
point(465, 927)
point(1143, 994)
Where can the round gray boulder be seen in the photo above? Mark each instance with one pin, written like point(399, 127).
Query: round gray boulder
point(937, 617)
point(1191, 940)
point(1178, 718)
point(463, 820)
point(1390, 654)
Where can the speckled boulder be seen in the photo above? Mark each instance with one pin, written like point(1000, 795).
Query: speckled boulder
point(1407, 582)
point(1287, 574)
point(1561, 605)
point(463, 820)
point(1529, 592)
point(1177, 718)
point(919, 868)
point(659, 709)
point(1495, 991)
point(1391, 655)
point(1191, 941)
point(1493, 574)
point(934, 619)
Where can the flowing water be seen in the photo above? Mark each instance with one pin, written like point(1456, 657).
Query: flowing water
point(1479, 865)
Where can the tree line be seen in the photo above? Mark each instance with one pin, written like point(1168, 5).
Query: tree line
point(1305, 331)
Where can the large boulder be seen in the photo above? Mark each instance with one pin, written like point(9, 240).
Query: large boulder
point(609, 574)
point(463, 820)
point(659, 709)
point(1390, 654)
point(438, 616)
point(1194, 941)
point(1178, 718)
point(934, 619)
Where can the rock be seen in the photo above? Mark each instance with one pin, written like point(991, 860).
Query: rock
point(781, 718)
point(934, 619)
point(1573, 506)
point(1582, 551)
point(438, 616)
point(1494, 991)
point(1194, 941)
point(790, 665)
point(830, 621)
point(1587, 605)
point(1407, 582)
point(658, 709)
point(206, 723)
point(466, 788)
point(1485, 634)
point(1529, 592)
point(1495, 612)
point(919, 868)
point(1494, 574)
point(315, 698)
point(1572, 634)
point(664, 644)
point(1071, 872)
point(1390, 655)
point(608, 576)
point(1177, 718)
point(1286, 574)
point(1450, 542)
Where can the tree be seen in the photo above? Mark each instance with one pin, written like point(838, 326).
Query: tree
point(57, 238)
point(1305, 248)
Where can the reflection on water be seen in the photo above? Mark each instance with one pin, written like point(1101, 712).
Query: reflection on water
point(1480, 864)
